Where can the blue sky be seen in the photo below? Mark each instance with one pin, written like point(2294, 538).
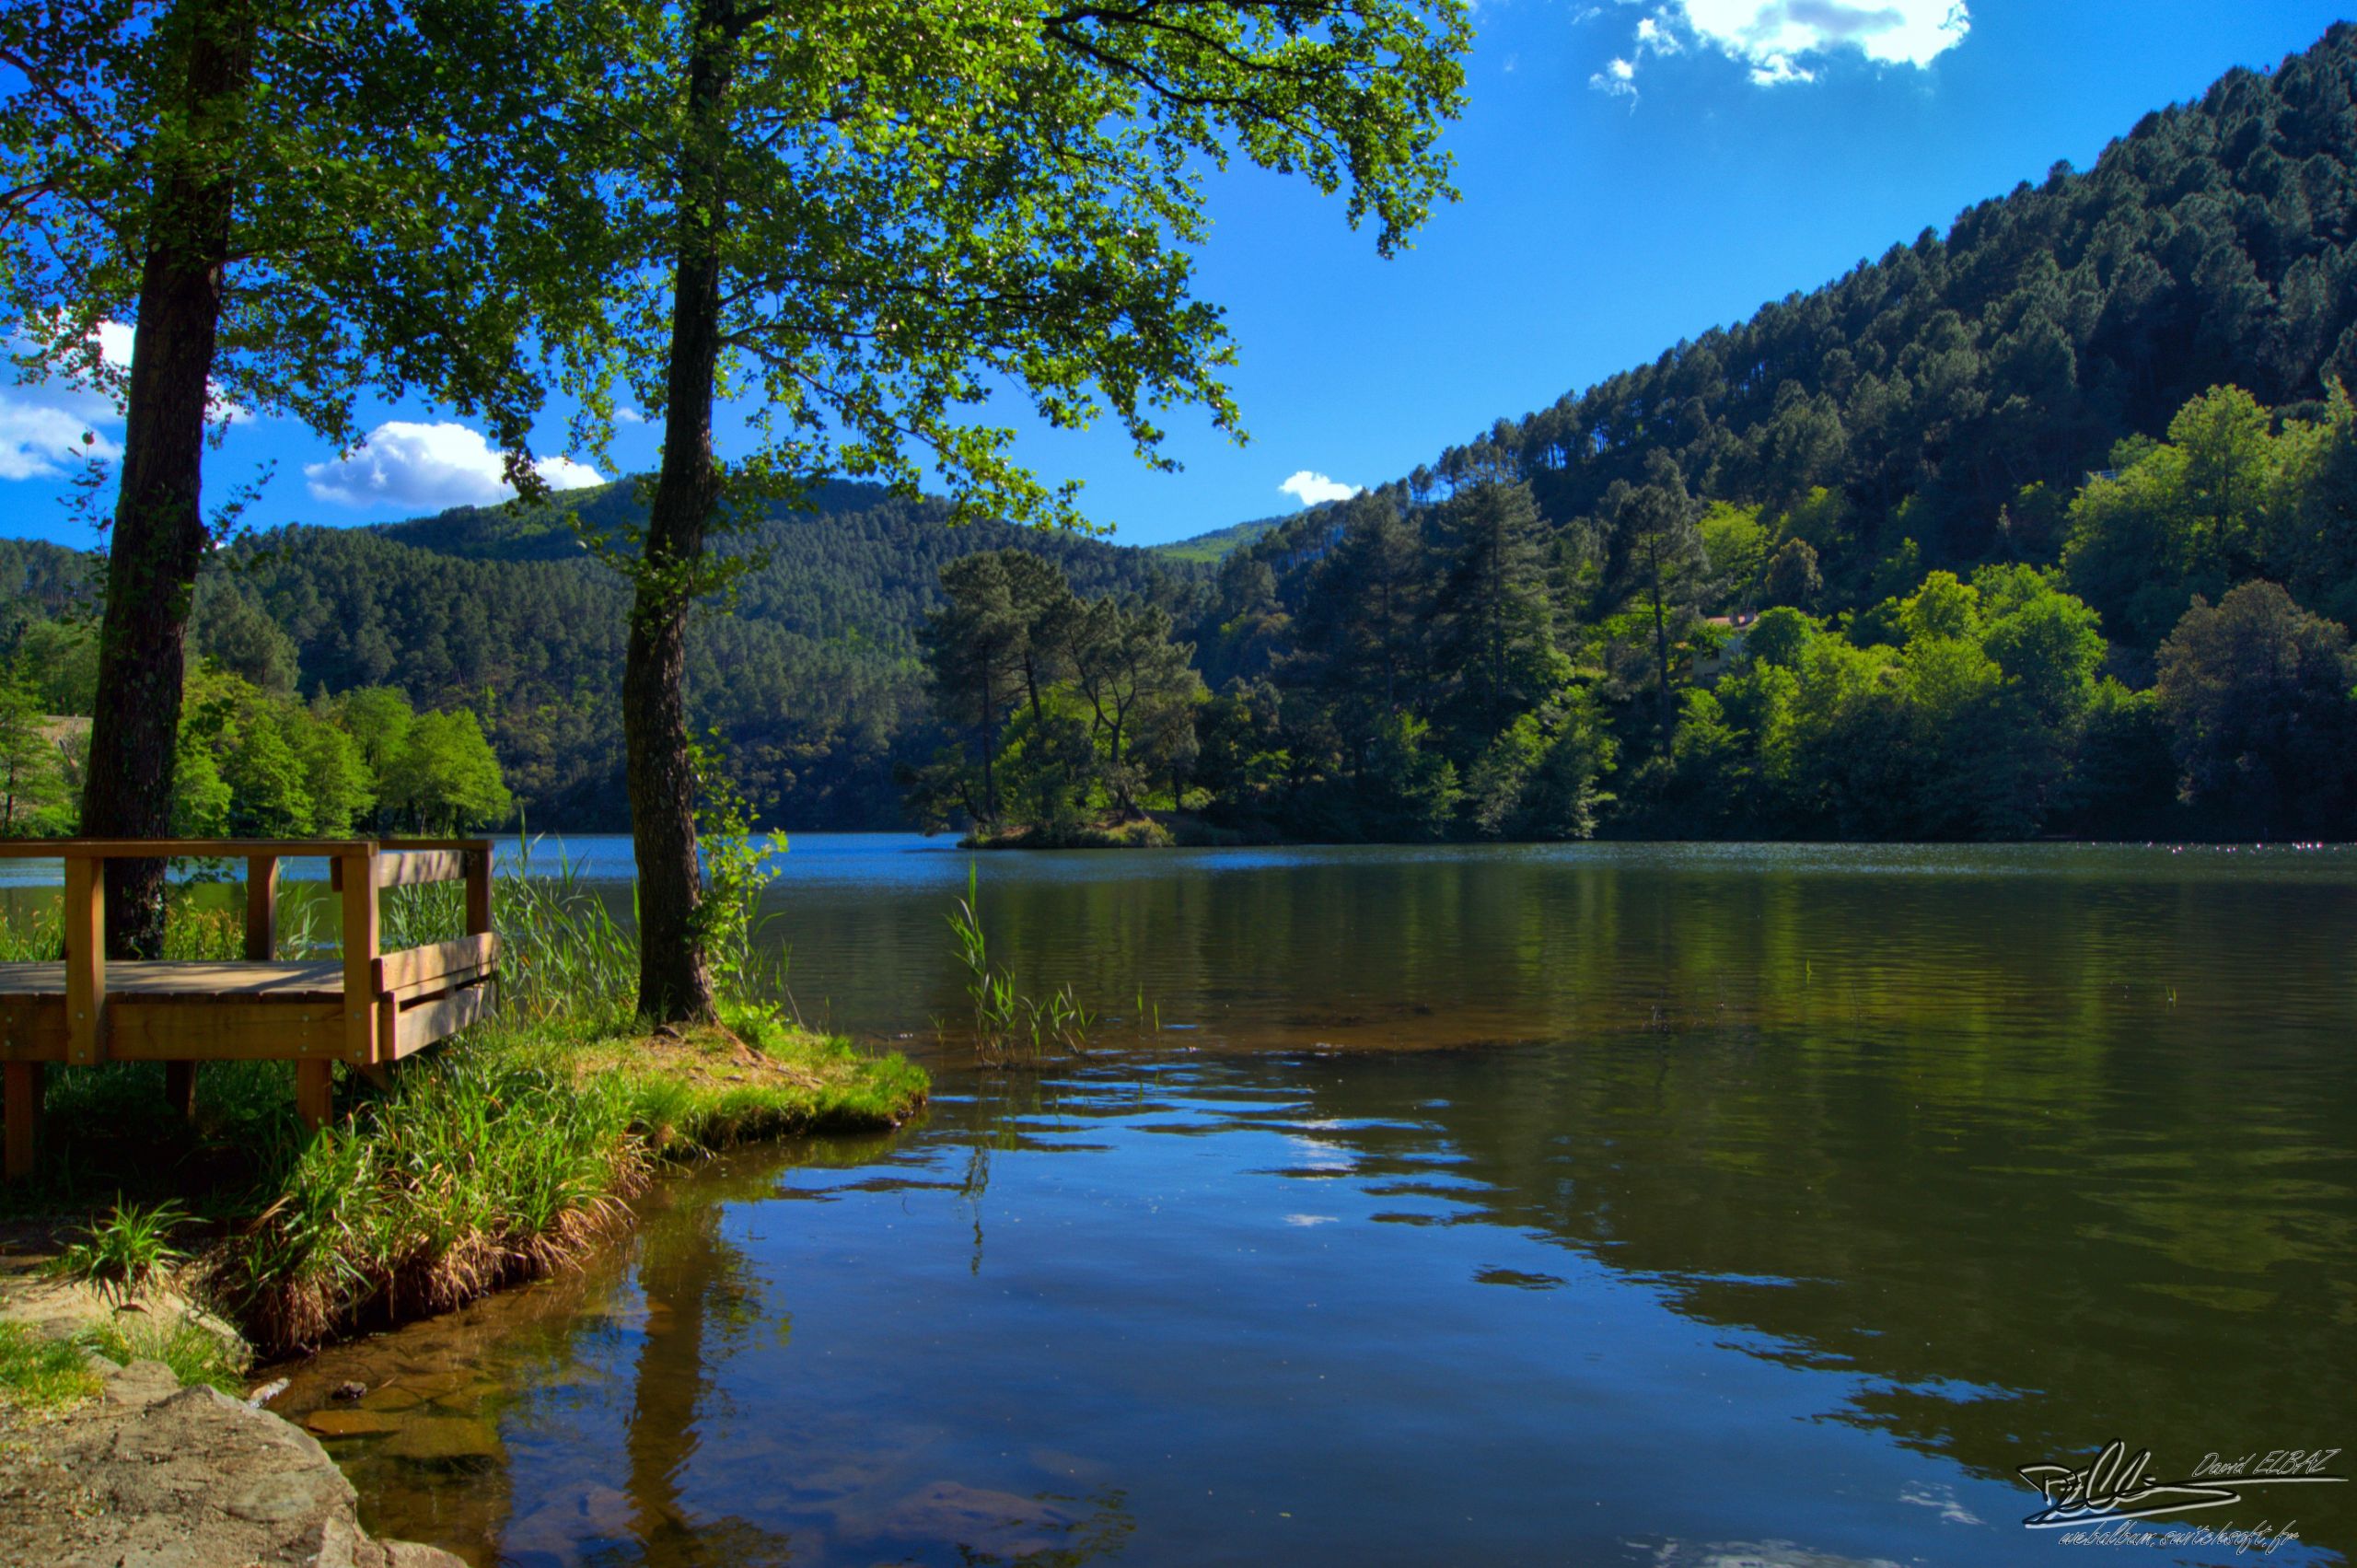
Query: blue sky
point(1632, 173)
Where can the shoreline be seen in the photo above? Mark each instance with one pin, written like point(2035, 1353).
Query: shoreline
point(112, 1405)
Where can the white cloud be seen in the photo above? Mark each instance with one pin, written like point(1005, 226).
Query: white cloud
point(427, 467)
point(1776, 38)
point(38, 441)
point(1309, 489)
point(629, 416)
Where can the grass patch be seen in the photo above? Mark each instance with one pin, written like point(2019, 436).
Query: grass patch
point(40, 1374)
point(194, 1354)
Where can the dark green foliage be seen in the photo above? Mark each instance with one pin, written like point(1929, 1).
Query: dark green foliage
point(2256, 691)
point(1073, 708)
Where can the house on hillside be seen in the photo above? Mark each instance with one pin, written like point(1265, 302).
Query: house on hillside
point(1722, 645)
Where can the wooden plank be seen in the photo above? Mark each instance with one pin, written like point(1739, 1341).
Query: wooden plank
point(405, 970)
point(470, 845)
point(315, 1093)
point(33, 1029)
point(84, 914)
point(33, 979)
point(262, 907)
point(184, 1031)
point(360, 945)
point(24, 1089)
point(409, 869)
point(439, 1019)
point(389, 1032)
point(321, 977)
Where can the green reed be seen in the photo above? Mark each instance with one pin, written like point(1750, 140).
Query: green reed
point(1011, 1024)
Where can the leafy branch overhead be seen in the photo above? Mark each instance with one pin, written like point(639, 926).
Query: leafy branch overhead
point(926, 206)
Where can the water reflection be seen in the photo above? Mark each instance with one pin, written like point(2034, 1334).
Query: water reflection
point(1796, 1213)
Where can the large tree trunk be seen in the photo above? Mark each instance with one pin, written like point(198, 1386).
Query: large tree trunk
point(674, 976)
point(159, 535)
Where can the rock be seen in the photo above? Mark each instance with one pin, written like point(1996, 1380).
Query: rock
point(350, 1423)
point(348, 1391)
point(409, 1554)
point(558, 1528)
point(153, 1475)
point(391, 1396)
point(141, 1384)
point(446, 1442)
point(434, 1384)
point(998, 1524)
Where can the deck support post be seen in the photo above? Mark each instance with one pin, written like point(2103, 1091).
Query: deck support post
point(179, 1088)
point(315, 1092)
point(24, 1091)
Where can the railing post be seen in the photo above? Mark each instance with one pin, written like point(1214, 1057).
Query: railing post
point(86, 961)
point(479, 890)
point(261, 908)
point(314, 1081)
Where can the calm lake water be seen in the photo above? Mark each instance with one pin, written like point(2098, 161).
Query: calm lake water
point(1607, 1204)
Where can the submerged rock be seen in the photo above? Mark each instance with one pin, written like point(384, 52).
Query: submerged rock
point(350, 1423)
point(446, 1442)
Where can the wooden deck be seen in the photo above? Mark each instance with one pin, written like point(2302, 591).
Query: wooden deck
point(366, 1008)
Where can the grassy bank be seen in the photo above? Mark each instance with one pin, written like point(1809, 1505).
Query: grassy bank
point(494, 1159)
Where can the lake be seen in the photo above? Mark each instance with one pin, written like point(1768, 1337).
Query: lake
point(1644, 1204)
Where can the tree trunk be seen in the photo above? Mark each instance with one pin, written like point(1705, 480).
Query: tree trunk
point(674, 976)
point(159, 535)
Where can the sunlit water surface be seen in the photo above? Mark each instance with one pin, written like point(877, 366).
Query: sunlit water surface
point(1611, 1205)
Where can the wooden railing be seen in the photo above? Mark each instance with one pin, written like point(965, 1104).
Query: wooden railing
point(369, 1010)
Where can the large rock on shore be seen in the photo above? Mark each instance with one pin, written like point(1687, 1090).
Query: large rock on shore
point(153, 1475)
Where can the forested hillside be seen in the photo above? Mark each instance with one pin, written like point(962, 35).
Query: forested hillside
point(2046, 525)
point(1955, 391)
point(813, 679)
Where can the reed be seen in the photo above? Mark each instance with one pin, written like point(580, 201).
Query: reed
point(1010, 1024)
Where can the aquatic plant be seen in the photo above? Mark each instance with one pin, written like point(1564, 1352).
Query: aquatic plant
point(1009, 1024)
